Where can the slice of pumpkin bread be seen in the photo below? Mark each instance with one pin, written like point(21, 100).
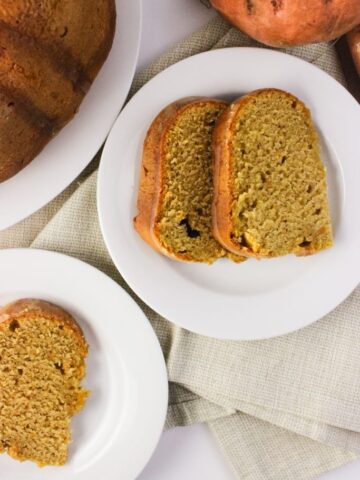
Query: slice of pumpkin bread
point(176, 186)
point(270, 183)
point(42, 353)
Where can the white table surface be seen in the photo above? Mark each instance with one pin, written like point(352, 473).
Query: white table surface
point(190, 453)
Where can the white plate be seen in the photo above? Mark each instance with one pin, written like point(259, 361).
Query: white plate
point(120, 425)
point(256, 299)
point(71, 150)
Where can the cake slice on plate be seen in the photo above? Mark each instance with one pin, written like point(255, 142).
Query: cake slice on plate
point(270, 195)
point(42, 363)
point(176, 185)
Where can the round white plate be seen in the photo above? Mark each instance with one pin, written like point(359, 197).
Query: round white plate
point(120, 425)
point(63, 159)
point(256, 299)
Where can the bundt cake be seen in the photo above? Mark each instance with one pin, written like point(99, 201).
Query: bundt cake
point(50, 53)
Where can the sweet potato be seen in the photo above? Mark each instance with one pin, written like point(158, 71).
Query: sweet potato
point(353, 39)
point(291, 22)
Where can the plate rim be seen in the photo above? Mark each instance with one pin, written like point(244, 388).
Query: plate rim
point(101, 189)
point(37, 204)
point(161, 400)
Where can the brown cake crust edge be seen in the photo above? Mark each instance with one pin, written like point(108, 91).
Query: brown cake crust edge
point(28, 307)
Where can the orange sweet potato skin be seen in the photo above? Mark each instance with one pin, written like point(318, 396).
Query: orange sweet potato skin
point(291, 22)
point(353, 39)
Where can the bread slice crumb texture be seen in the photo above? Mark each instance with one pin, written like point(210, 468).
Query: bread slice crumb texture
point(42, 354)
point(183, 224)
point(280, 202)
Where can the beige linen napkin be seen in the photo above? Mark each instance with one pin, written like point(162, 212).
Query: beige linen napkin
point(281, 409)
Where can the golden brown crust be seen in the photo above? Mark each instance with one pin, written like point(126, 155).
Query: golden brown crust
point(29, 134)
point(221, 210)
point(29, 307)
point(54, 51)
point(223, 175)
point(75, 35)
point(104, 48)
point(152, 174)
